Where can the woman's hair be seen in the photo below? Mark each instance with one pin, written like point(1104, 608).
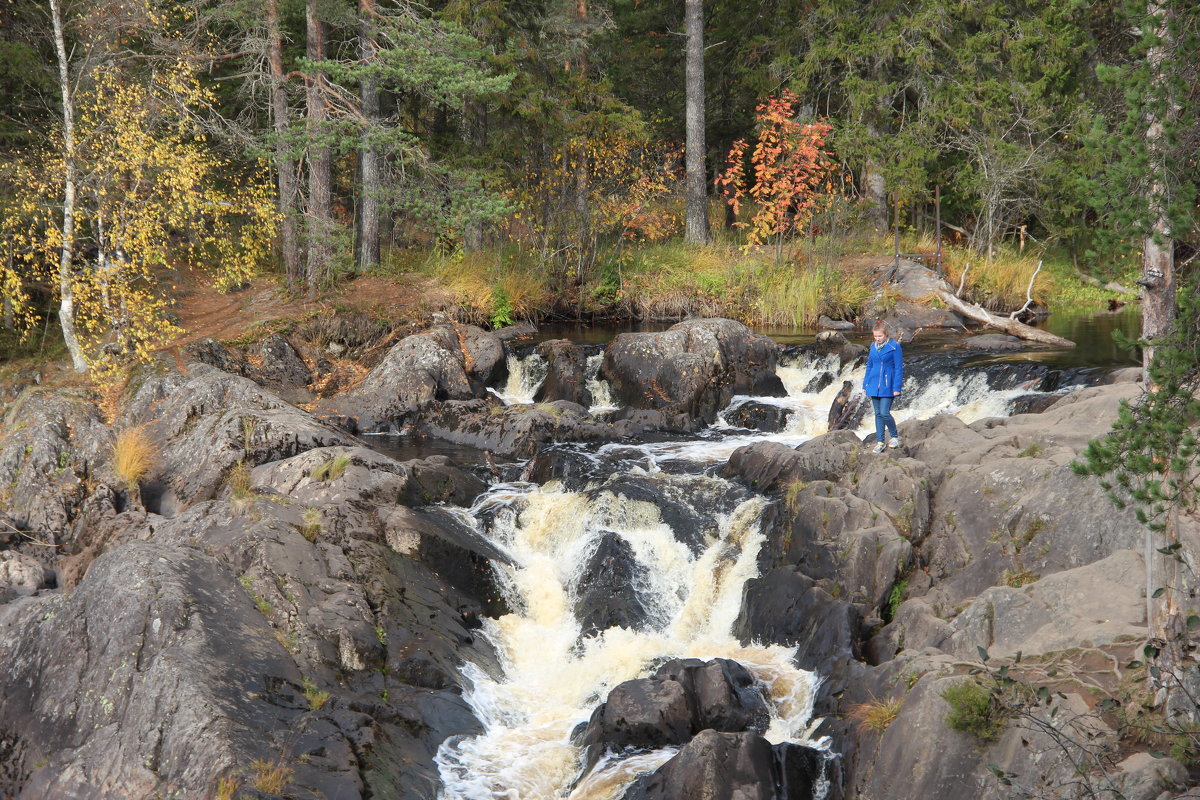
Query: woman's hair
point(880, 325)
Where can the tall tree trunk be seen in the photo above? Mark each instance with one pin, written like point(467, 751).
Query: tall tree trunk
point(875, 187)
point(320, 162)
point(583, 185)
point(66, 307)
point(696, 181)
point(285, 164)
point(1158, 262)
point(370, 162)
point(475, 136)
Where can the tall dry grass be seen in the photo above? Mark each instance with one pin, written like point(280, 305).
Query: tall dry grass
point(487, 283)
point(721, 279)
point(133, 456)
point(999, 283)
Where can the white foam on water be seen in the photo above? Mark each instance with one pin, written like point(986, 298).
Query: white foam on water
point(525, 377)
point(552, 679)
point(601, 389)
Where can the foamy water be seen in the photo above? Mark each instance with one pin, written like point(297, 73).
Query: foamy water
point(552, 679)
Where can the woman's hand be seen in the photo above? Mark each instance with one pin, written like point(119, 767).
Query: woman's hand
point(895, 394)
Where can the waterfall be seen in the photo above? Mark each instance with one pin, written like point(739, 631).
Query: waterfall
point(601, 389)
point(525, 377)
point(552, 679)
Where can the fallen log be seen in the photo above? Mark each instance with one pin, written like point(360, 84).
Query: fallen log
point(1009, 326)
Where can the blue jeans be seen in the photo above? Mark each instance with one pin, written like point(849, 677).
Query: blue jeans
point(883, 417)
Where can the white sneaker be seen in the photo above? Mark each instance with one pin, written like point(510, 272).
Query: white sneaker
point(878, 448)
point(894, 443)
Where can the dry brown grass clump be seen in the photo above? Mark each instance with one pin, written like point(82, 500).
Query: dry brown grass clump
point(876, 715)
point(133, 456)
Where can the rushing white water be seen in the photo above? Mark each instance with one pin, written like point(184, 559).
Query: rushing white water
point(601, 390)
point(552, 679)
point(525, 377)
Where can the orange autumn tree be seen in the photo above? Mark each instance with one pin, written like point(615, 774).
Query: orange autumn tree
point(790, 170)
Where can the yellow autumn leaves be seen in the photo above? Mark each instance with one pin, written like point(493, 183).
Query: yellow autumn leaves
point(152, 192)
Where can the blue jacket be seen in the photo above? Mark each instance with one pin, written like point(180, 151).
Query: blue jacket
point(885, 372)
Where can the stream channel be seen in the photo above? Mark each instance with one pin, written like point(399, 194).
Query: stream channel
point(689, 541)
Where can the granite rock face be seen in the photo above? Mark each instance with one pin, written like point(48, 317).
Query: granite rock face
point(693, 368)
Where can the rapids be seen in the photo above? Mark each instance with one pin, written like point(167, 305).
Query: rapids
point(553, 675)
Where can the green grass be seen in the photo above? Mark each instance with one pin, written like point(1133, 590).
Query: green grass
point(975, 710)
point(332, 469)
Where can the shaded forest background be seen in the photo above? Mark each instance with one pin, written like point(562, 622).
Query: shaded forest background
point(529, 155)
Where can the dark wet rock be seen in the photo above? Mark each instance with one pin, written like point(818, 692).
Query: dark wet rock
point(771, 467)
point(516, 430)
point(759, 416)
point(834, 324)
point(695, 367)
point(520, 330)
point(681, 699)
point(207, 421)
point(606, 593)
point(733, 766)
point(994, 342)
point(566, 373)
point(1032, 403)
point(52, 444)
point(211, 352)
point(691, 515)
point(786, 607)
point(446, 362)
point(279, 367)
point(830, 339)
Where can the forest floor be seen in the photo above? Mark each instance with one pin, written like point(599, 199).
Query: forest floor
point(247, 314)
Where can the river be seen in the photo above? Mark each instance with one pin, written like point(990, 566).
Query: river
point(689, 570)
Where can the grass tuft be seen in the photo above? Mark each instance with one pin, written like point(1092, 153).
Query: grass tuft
point(876, 715)
point(312, 526)
point(133, 456)
point(332, 469)
point(316, 698)
point(227, 787)
point(975, 710)
point(271, 777)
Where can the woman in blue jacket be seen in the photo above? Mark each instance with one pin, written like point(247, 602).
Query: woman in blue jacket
point(882, 383)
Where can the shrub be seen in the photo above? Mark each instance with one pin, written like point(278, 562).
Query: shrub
point(332, 469)
point(876, 715)
point(976, 710)
point(133, 456)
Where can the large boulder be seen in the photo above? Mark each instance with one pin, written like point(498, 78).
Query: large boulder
point(734, 766)
point(786, 607)
point(53, 443)
point(517, 430)
point(205, 422)
point(176, 681)
point(445, 362)
point(605, 591)
point(566, 373)
point(681, 699)
point(695, 367)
